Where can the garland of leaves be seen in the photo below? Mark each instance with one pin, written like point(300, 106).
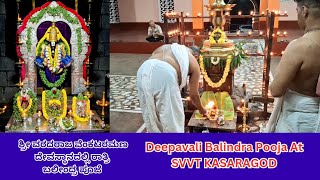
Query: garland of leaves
point(78, 32)
point(51, 113)
point(28, 42)
point(56, 11)
point(32, 110)
point(58, 83)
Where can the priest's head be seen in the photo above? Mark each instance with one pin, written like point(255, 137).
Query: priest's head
point(308, 13)
point(195, 51)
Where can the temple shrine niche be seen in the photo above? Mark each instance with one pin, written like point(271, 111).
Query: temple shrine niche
point(53, 48)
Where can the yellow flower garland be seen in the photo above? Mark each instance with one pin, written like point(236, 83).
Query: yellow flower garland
point(64, 106)
point(74, 111)
point(222, 38)
point(223, 78)
point(54, 101)
point(23, 111)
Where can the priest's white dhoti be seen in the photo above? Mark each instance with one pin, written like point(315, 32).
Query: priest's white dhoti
point(159, 92)
point(295, 112)
point(160, 98)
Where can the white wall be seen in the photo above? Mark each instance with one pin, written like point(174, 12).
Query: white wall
point(183, 6)
point(290, 7)
point(138, 10)
point(146, 10)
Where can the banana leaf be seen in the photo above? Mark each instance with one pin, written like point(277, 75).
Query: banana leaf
point(222, 100)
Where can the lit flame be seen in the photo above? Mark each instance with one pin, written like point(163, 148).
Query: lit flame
point(198, 33)
point(187, 14)
point(239, 13)
point(199, 14)
point(211, 104)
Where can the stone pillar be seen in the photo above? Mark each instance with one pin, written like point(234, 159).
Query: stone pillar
point(101, 63)
point(98, 74)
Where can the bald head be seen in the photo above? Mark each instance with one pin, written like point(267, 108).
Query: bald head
point(194, 50)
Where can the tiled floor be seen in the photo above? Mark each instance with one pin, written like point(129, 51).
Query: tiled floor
point(124, 95)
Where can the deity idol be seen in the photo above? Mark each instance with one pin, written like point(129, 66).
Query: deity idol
point(53, 56)
point(24, 98)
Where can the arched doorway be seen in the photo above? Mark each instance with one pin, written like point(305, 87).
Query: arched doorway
point(246, 7)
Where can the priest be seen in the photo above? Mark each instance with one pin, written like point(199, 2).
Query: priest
point(160, 80)
point(297, 108)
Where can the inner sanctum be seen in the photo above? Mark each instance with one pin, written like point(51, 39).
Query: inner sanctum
point(61, 89)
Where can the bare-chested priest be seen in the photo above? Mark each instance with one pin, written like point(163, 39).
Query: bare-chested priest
point(160, 80)
point(297, 109)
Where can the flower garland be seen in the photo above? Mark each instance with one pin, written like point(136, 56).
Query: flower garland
point(215, 62)
point(54, 11)
point(23, 111)
point(30, 110)
point(54, 63)
point(224, 76)
point(221, 40)
point(74, 109)
point(58, 83)
point(45, 98)
point(238, 55)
